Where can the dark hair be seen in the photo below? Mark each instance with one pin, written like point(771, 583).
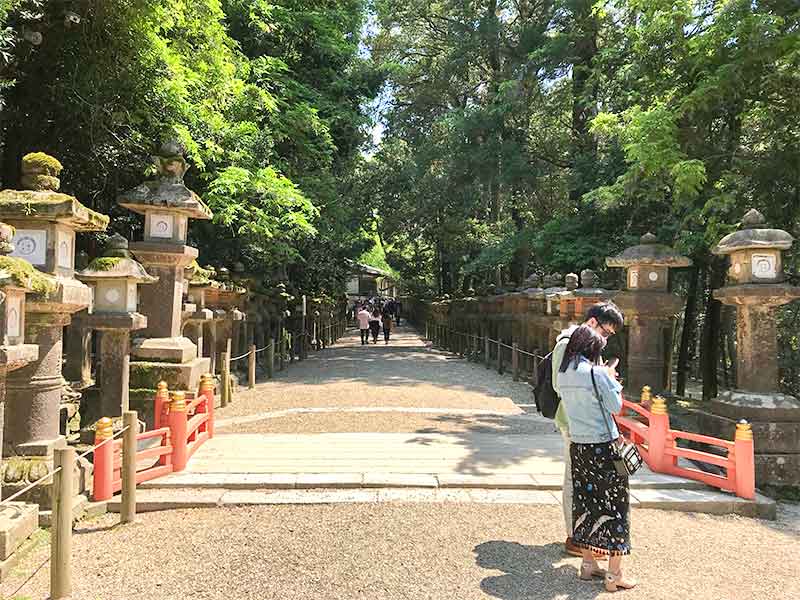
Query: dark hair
point(585, 342)
point(605, 313)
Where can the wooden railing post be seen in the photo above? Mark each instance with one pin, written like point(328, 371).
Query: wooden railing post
point(515, 360)
point(251, 367)
point(207, 386)
point(178, 431)
point(486, 351)
point(271, 358)
point(658, 430)
point(226, 379)
point(61, 542)
point(128, 505)
point(103, 474)
point(744, 461)
point(282, 351)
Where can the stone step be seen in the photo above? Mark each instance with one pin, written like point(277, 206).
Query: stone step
point(699, 501)
point(277, 481)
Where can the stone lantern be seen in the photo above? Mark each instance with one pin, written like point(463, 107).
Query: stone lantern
point(115, 278)
point(650, 310)
point(167, 205)
point(756, 288)
point(46, 222)
point(18, 521)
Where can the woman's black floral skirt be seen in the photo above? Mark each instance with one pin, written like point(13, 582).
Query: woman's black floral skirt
point(600, 501)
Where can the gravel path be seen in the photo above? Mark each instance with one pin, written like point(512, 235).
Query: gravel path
point(399, 422)
point(401, 551)
point(403, 374)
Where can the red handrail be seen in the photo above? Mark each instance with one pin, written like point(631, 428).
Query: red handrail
point(657, 443)
point(179, 436)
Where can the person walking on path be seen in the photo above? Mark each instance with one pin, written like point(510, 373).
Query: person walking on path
point(363, 318)
point(606, 319)
point(375, 325)
point(591, 395)
point(387, 325)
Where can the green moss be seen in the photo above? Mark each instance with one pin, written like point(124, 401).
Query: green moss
point(25, 275)
point(43, 163)
point(200, 275)
point(104, 263)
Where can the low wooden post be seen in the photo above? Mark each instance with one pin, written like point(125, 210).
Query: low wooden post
point(271, 358)
point(486, 350)
point(535, 374)
point(61, 542)
point(128, 506)
point(226, 379)
point(282, 351)
point(658, 431)
point(251, 367)
point(103, 459)
point(515, 361)
point(499, 356)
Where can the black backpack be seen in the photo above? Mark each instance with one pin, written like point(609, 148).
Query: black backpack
point(544, 395)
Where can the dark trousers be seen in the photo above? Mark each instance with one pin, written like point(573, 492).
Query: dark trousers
point(364, 336)
point(386, 334)
point(374, 327)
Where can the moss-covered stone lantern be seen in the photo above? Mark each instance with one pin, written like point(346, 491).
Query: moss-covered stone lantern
point(114, 278)
point(757, 288)
point(160, 350)
point(45, 223)
point(650, 311)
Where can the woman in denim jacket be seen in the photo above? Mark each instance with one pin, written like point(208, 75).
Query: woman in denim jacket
point(600, 498)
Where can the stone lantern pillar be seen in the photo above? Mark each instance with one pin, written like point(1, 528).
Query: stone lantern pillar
point(167, 205)
point(114, 279)
point(18, 521)
point(756, 287)
point(650, 310)
point(46, 222)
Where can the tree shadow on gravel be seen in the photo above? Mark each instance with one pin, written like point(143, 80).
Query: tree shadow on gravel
point(404, 362)
point(531, 572)
point(494, 441)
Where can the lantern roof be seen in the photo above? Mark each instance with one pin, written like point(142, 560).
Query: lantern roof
point(754, 234)
point(116, 263)
point(649, 252)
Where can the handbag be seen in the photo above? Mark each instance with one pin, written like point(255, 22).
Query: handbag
point(625, 455)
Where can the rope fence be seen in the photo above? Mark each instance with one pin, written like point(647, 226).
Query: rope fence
point(61, 477)
point(492, 351)
point(289, 346)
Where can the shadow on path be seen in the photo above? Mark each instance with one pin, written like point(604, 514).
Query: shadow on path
point(531, 572)
point(405, 361)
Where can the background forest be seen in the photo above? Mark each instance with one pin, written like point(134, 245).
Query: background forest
point(516, 136)
point(544, 135)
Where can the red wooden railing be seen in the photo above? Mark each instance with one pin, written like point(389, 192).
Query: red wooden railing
point(657, 442)
point(180, 429)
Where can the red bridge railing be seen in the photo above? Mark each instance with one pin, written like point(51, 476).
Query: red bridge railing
point(180, 429)
point(649, 429)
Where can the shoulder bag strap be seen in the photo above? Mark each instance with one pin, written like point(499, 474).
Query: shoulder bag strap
point(602, 408)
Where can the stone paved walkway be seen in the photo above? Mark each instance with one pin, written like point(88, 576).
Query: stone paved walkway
point(394, 416)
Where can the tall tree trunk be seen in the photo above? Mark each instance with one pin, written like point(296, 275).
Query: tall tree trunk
point(709, 354)
point(689, 333)
point(584, 100)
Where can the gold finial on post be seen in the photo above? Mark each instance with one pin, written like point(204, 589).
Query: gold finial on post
point(647, 395)
point(744, 431)
point(178, 403)
point(104, 429)
point(162, 391)
point(206, 382)
point(659, 406)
